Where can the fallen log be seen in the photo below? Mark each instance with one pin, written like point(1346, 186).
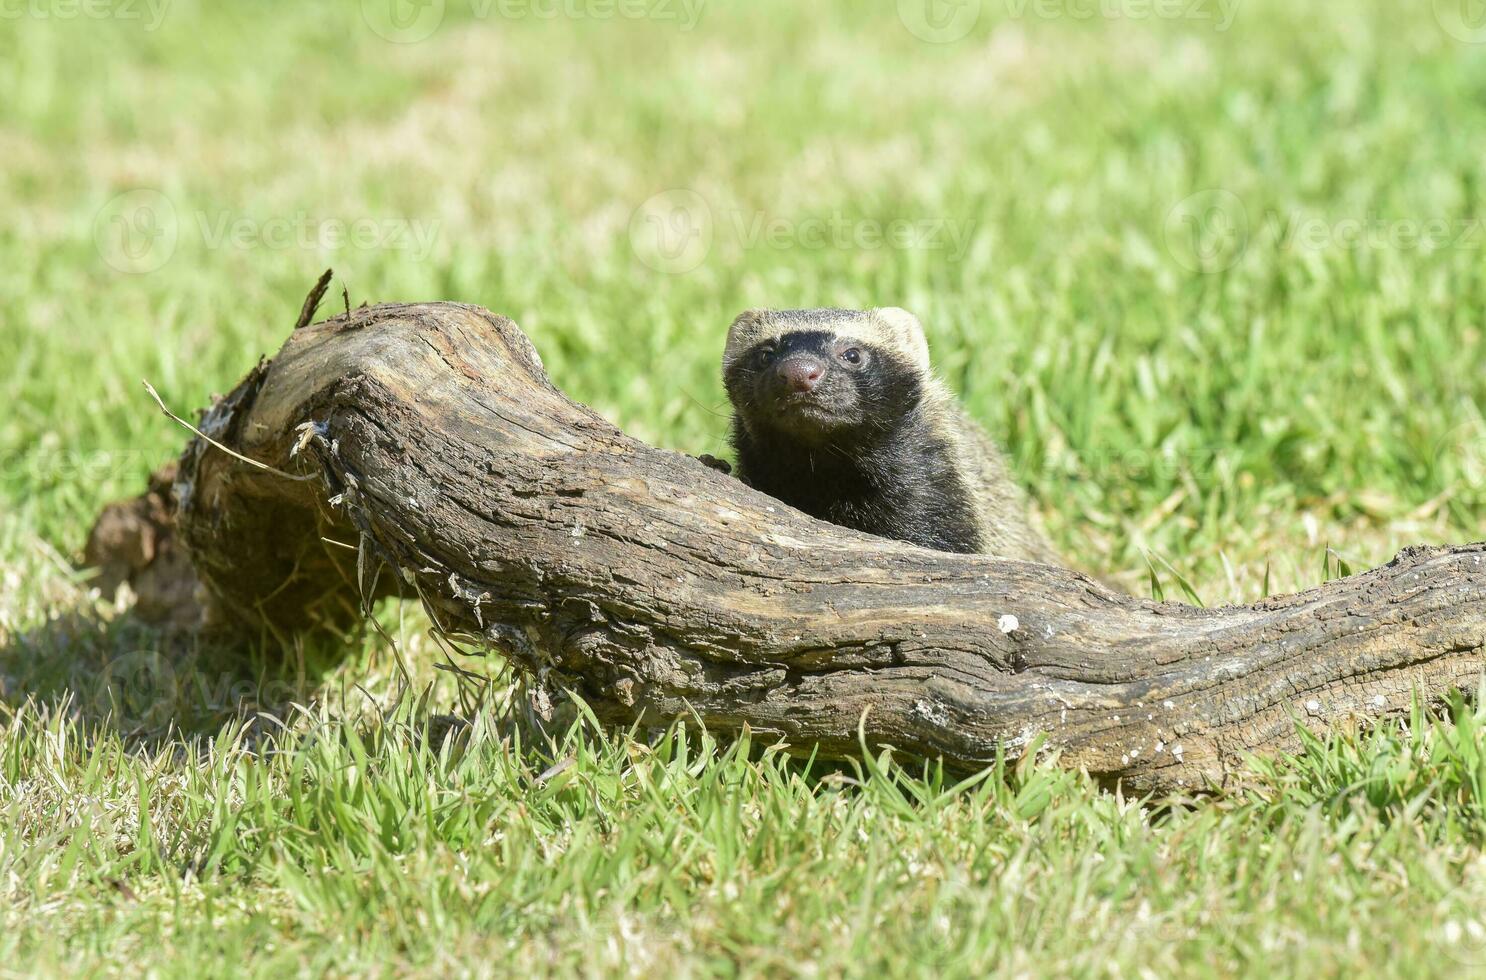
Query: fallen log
point(433, 457)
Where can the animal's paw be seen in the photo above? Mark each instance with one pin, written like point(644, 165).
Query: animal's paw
point(720, 465)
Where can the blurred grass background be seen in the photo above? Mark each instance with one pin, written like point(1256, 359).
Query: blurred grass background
point(1212, 271)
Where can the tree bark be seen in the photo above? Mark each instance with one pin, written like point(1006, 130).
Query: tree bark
point(440, 453)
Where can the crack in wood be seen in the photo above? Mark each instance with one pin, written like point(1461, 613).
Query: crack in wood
point(662, 590)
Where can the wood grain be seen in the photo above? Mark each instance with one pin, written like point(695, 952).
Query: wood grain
point(448, 466)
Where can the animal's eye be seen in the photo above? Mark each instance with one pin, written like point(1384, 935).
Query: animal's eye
point(852, 355)
point(764, 355)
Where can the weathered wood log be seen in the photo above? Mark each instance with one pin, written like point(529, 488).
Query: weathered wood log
point(658, 589)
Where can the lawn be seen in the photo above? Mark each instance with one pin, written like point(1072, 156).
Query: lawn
point(1212, 270)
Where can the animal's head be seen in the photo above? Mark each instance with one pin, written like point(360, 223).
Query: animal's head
point(814, 374)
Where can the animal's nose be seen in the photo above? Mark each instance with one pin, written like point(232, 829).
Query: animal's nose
point(802, 373)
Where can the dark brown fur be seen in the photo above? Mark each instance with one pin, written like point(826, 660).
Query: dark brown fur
point(878, 445)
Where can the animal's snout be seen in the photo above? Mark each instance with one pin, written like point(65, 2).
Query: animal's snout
point(801, 372)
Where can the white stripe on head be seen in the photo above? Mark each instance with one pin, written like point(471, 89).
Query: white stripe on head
point(890, 328)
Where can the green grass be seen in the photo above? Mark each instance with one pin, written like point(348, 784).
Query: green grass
point(1218, 290)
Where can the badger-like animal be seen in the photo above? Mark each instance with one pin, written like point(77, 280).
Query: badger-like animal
point(839, 414)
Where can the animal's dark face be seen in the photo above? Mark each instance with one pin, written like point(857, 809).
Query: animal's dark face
point(813, 385)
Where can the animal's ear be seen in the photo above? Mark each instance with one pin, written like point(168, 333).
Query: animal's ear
point(745, 321)
point(907, 333)
point(747, 329)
